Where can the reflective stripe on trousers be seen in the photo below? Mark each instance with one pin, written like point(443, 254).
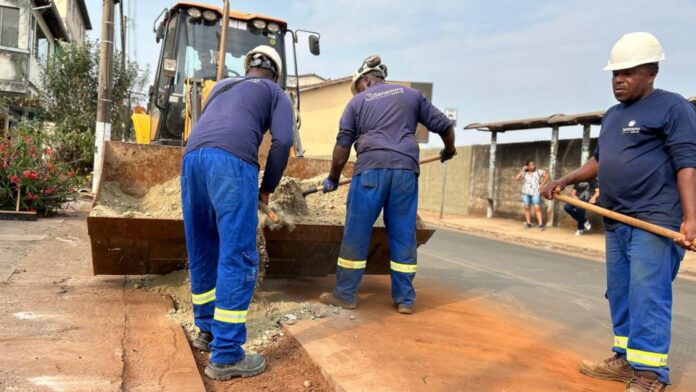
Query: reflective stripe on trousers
point(219, 201)
point(395, 192)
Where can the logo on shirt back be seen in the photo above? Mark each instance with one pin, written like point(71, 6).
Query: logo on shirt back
point(631, 128)
point(382, 94)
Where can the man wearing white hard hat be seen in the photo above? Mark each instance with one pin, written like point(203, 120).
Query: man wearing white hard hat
point(220, 196)
point(646, 162)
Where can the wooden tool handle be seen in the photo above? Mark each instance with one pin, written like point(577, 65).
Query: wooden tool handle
point(655, 229)
point(316, 189)
point(269, 212)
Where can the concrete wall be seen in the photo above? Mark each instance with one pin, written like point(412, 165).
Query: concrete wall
point(510, 159)
point(457, 183)
point(72, 18)
point(467, 179)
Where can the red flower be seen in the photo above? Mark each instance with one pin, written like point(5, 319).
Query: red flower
point(14, 180)
point(30, 174)
point(49, 191)
point(48, 150)
point(31, 197)
point(71, 174)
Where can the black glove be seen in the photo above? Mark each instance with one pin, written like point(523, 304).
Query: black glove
point(446, 156)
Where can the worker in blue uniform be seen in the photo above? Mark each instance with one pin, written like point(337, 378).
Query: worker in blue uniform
point(646, 162)
point(220, 196)
point(380, 120)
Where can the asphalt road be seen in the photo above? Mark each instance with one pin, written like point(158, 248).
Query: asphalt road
point(559, 294)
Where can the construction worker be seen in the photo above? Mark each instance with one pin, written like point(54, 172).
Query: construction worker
point(381, 121)
point(646, 162)
point(220, 196)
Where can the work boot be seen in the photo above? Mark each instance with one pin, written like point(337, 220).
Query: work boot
point(330, 299)
point(615, 368)
point(251, 365)
point(202, 342)
point(405, 309)
point(645, 381)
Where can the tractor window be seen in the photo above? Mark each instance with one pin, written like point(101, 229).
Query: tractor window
point(195, 49)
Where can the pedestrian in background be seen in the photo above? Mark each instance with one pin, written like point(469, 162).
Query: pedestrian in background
point(533, 179)
point(587, 192)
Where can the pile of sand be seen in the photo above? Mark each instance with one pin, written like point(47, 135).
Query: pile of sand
point(162, 201)
point(269, 308)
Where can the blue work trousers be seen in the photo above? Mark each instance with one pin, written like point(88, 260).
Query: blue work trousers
point(396, 192)
point(219, 198)
point(640, 269)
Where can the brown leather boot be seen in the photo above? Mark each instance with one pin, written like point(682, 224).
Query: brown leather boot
point(615, 368)
point(330, 299)
point(645, 381)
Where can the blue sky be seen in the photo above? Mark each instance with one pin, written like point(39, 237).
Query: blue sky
point(491, 60)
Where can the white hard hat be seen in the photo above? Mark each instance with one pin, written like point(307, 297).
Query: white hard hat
point(634, 49)
point(263, 56)
point(370, 64)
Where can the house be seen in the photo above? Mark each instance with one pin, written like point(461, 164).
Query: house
point(322, 103)
point(29, 32)
point(75, 18)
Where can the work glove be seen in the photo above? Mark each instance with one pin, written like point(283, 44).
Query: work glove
point(446, 156)
point(329, 185)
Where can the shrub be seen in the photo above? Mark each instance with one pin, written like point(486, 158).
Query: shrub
point(32, 166)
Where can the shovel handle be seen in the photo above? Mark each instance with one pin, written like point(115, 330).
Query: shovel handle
point(347, 181)
point(655, 229)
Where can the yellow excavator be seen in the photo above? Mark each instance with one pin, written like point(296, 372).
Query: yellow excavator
point(200, 45)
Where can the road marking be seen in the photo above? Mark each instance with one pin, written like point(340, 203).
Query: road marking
point(471, 264)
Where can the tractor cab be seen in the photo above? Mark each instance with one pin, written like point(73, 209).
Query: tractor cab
point(190, 39)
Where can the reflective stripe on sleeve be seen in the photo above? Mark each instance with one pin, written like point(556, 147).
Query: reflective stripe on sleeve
point(230, 316)
point(405, 268)
point(646, 358)
point(204, 298)
point(621, 342)
point(351, 264)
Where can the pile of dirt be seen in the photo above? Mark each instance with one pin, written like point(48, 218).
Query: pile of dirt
point(269, 308)
point(162, 201)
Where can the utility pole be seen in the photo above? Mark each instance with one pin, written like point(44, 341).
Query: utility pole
point(106, 54)
point(123, 35)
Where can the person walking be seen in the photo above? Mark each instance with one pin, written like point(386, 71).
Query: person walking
point(587, 192)
point(220, 196)
point(646, 162)
point(380, 120)
point(533, 179)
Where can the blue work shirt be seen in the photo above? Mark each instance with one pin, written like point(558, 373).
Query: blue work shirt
point(642, 146)
point(382, 121)
point(236, 120)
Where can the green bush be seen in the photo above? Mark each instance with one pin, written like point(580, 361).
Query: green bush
point(31, 167)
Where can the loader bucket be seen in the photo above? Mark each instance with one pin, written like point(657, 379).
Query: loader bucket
point(136, 246)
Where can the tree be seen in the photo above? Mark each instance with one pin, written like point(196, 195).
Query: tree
point(68, 99)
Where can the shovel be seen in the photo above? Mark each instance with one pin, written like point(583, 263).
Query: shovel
point(316, 189)
point(649, 227)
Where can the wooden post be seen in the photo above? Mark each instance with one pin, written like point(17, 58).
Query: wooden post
point(491, 174)
point(585, 153)
point(19, 197)
point(552, 212)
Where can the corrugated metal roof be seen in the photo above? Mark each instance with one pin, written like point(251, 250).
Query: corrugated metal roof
point(559, 120)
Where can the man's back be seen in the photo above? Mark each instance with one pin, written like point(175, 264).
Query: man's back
point(236, 119)
point(382, 122)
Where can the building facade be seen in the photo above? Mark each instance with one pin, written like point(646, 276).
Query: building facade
point(29, 33)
